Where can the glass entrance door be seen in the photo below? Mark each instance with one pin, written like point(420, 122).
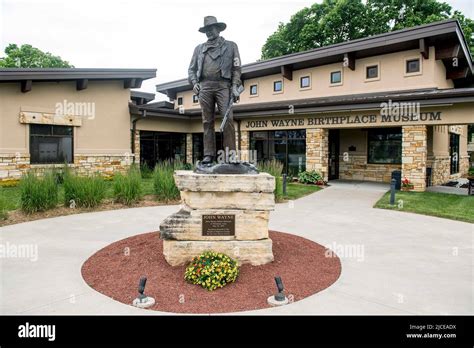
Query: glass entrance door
point(333, 154)
point(454, 152)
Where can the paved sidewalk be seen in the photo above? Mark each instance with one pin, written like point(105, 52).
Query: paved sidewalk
point(407, 263)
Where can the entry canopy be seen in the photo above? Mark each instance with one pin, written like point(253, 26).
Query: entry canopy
point(446, 36)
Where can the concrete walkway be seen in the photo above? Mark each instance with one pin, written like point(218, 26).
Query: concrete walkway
point(392, 262)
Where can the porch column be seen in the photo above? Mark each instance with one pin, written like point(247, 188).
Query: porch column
point(245, 145)
point(189, 148)
point(414, 156)
point(317, 150)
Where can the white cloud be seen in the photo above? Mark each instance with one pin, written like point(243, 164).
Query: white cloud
point(138, 33)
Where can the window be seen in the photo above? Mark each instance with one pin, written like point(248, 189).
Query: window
point(454, 152)
point(412, 66)
point(336, 77)
point(180, 101)
point(161, 146)
point(384, 146)
point(51, 144)
point(288, 147)
point(372, 72)
point(305, 82)
point(195, 99)
point(278, 86)
point(253, 90)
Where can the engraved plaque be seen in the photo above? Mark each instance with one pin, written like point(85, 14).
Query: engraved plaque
point(218, 225)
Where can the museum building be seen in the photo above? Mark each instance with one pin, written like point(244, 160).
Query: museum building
point(49, 117)
point(357, 110)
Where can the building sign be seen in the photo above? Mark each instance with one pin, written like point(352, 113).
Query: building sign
point(345, 120)
point(218, 225)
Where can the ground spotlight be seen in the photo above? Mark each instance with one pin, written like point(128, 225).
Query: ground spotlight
point(143, 301)
point(278, 299)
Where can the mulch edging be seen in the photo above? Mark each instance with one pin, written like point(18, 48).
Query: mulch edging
point(115, 270)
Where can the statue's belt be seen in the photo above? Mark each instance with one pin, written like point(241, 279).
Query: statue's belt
point(221, 82)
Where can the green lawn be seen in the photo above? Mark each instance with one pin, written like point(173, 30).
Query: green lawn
point(295, 190)
point(443, 205)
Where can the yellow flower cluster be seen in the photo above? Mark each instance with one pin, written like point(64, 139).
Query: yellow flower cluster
point(212, 270)
point(10, 182)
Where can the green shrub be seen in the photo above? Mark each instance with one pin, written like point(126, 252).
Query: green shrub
point(146, 172)
point(188, 166)
point(163, 181)
point(310, 177)
point(87, 192)
point(212, 270)
point(274, 168)
point(471, 171)
point(128, 188)
point(38, 193)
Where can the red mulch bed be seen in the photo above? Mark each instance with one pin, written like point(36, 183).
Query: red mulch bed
point(301, 263)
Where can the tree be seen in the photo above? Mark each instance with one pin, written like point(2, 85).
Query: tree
point(28, 56)
point(335, 21)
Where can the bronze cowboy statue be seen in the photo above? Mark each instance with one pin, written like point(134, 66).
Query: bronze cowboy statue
point(214, 73)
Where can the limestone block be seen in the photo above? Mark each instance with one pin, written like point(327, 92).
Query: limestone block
point(186, 224)
point(229, 200)
point(187, 180)
point(258, 252)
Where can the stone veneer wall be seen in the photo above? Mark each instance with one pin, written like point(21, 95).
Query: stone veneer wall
point(414, 155)
point(317, 150)
point(440, 169)
point(464, 165)
point(189, 148)
point(15, 165)
point(357, 168)
point(136, 141)
point(102, 164)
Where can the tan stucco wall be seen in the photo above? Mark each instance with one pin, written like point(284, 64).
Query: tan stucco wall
point(107, 133)
point(162, 124)
point(391, 72)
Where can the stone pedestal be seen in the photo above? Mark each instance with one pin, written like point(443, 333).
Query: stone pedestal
point(226, 213)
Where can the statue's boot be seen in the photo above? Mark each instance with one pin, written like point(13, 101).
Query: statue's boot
point(207, 160)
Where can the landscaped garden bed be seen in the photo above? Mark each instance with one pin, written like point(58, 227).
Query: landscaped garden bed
point(303, 266)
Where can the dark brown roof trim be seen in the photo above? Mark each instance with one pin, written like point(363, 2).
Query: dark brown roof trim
point(404, 39)
point(58, 74)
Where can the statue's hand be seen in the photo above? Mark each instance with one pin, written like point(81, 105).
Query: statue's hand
point(236, 93)
point(196, 88)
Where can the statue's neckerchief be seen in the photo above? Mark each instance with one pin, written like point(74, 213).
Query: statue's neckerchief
point(212, 45)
